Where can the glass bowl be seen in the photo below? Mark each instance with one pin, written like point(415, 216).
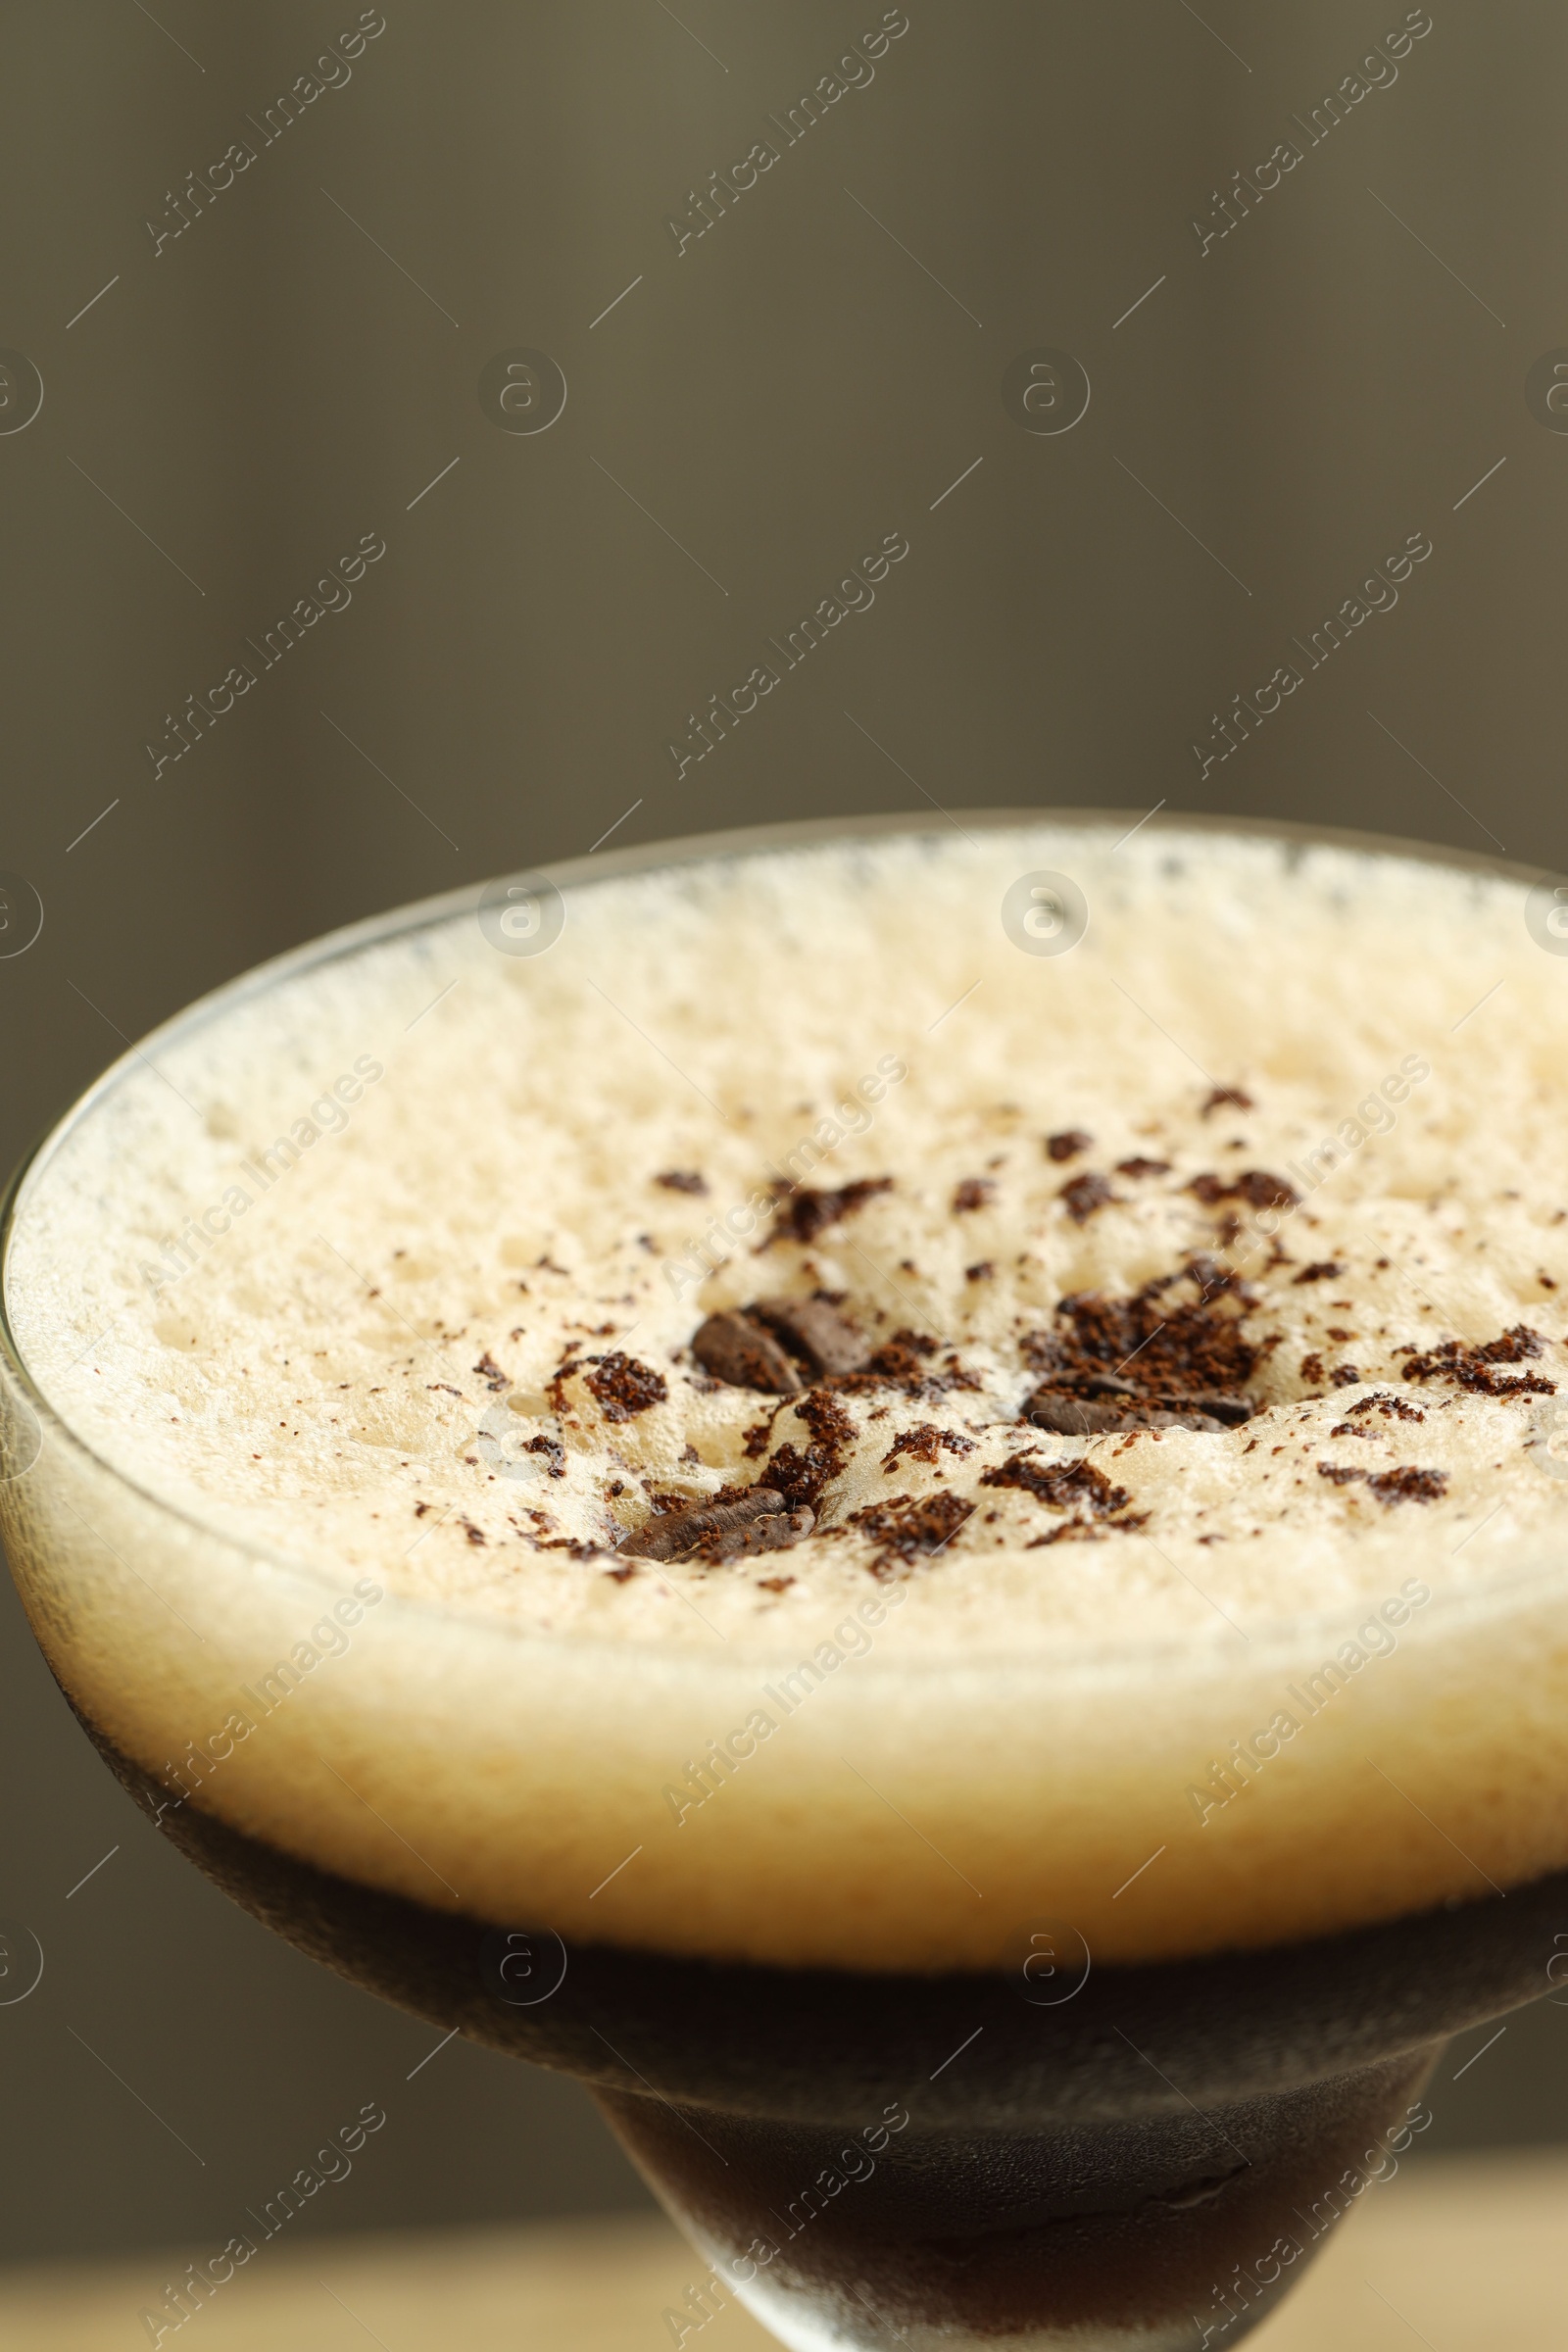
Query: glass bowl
point(1004, 2101)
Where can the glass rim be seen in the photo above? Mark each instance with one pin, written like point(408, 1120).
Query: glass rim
point(648, 857)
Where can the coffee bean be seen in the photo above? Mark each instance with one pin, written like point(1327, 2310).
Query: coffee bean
point(667, 1537)
point(816, 1331)
point(1232, 1411)
point(1071, 1417)
point(743, 1355)
point(775, 1533)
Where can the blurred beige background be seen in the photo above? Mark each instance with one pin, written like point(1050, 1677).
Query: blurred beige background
point(239, 382)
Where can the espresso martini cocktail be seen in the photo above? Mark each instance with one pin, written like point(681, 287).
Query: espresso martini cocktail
point(889, 1489)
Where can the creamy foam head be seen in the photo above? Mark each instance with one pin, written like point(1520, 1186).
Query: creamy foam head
point(1159, 1342)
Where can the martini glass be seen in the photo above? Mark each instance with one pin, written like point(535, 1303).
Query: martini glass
point(1025, 2127)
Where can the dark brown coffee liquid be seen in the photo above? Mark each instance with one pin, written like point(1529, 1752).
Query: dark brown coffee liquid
point(1147, 2229)
point(865, 2158)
